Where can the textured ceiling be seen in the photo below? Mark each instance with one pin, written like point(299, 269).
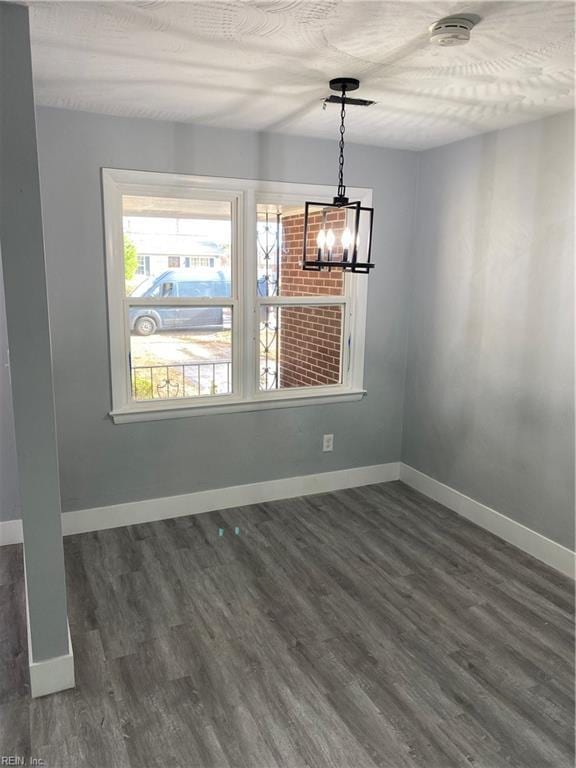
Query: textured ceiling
point(264, 64)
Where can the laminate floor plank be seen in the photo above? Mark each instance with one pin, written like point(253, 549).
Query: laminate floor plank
point(15, 728)
point(11, 564)
point(365, 628)
point(13, 641)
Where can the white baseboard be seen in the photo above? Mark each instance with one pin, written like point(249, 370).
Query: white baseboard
point(118, 515)
point(49, 675)
point(544, 549)
point(10, 532)
point(149, 510)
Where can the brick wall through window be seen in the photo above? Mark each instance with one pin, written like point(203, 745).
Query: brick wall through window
point(310, 338)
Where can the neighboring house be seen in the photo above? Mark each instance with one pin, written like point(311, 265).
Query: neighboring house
point(163, 243)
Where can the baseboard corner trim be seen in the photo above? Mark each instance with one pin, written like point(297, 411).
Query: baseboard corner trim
point(10, 532)
point(533, 543)
point(52, 675)
point(151, 510)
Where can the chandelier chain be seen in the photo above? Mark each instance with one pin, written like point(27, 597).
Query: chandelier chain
point(341, 186)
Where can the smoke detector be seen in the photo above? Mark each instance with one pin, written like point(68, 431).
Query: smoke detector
point(452, 30)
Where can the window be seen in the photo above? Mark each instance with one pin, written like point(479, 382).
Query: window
point(232, 322)
point(143, 267)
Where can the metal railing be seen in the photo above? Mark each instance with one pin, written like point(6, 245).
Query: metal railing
point(269, 244)
point(168, 382)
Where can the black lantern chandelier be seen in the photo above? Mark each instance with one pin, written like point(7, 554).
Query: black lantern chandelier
point(338, 235)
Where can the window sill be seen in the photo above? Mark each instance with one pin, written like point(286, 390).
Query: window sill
point(151, 412)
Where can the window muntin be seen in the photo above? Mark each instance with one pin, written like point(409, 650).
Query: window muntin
point(169, 196)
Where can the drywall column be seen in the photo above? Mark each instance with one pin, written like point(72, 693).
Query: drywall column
point(22, 246)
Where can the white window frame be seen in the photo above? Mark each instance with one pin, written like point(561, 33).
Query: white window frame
point(244, 196)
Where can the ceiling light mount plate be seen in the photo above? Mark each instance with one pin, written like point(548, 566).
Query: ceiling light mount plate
point(344, 84)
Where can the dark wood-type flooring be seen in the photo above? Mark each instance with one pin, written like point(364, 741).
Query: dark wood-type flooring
point(369, 627)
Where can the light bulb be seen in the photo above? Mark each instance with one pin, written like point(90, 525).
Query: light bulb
point(346, 238)
point(330, 239)
point(321, 239)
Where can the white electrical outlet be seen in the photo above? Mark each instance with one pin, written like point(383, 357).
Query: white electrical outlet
point(328, 443)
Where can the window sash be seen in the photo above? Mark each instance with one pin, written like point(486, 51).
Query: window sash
point(245, 302)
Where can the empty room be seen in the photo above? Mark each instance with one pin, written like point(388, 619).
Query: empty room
point(287, 447)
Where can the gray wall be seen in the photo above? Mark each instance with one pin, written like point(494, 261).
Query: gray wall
point(102, 463)
point(489, 405)
point(9, 494)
